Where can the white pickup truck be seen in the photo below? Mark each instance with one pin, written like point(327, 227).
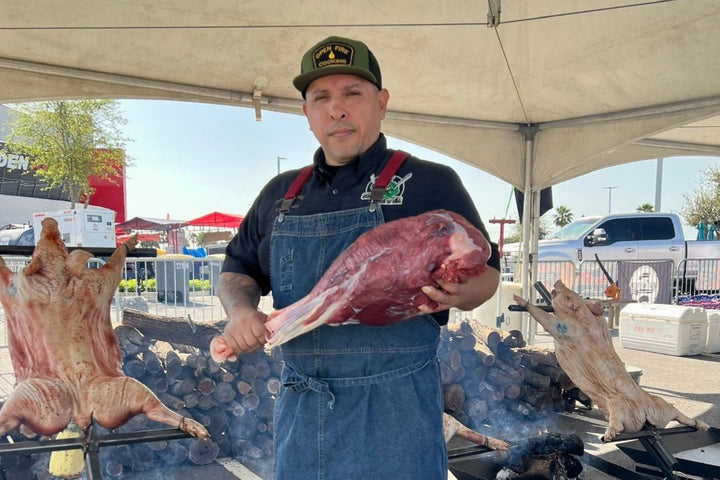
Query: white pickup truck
point(634, 236)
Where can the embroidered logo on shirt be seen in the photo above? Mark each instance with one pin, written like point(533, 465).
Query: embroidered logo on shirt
point(393, 192)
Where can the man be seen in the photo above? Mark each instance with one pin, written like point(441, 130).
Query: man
point(357, 402)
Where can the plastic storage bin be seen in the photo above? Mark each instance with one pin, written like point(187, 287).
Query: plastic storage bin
point(215, 262)
point(713, 334)
point(172, 276)
point(669, 329)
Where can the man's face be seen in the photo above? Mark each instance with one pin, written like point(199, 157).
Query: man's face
point(344, 112)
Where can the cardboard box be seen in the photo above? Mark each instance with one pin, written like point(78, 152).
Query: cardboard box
point(669, 329)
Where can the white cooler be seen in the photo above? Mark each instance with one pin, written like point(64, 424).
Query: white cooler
point(713, 334)
point(670, 329)
point(487, 313)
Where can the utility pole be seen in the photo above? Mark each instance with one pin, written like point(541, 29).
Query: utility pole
point(500, 318)
point(502, 222)
point(278, 163)
point(609, 189)
point(658, 183)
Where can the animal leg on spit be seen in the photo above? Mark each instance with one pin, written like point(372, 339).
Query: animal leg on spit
point(130, 398)
point(42, 405)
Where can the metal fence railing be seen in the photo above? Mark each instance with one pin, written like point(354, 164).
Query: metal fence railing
point(699, 283)
point(640, 280)
point(691, 282)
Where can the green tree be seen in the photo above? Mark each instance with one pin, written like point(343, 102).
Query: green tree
point(516, 235)
point(197, 238)
point(563, 216)
point(645, 208)
point(704, 205)
point(69, 141)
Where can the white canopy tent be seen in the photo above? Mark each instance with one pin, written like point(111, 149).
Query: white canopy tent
point(534, 92)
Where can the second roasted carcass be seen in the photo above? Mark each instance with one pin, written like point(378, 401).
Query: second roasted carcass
point(378, 279)
point(64, 352)
point(584, 350)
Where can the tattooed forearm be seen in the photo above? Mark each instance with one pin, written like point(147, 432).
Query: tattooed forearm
point(237, 290)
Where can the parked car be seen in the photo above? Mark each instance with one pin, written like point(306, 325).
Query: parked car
point(623, 237)
point(17, 236)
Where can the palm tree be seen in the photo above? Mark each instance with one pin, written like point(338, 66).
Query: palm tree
point(563, 216)
point(645, 208)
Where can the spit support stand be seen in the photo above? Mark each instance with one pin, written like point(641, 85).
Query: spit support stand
point(651, 440)
point(544, 293)
point(91, 443)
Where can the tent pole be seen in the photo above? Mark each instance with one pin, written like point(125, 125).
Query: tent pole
point(525, 270)
point(535, 224)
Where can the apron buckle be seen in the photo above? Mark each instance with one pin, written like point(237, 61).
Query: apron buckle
point(378, 193)
point(284, 208)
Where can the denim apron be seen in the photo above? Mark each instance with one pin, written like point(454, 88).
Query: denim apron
point(357, 402)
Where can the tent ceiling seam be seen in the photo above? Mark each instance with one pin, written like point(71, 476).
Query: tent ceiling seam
point(114, 78)
point(654, 110)
point(694, 147)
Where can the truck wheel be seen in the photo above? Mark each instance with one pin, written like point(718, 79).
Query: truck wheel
point(161, 296)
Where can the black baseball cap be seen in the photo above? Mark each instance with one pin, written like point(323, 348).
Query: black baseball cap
point(337, 55)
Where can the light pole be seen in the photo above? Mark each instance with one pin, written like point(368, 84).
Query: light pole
point(609, 189)
point(278, 163)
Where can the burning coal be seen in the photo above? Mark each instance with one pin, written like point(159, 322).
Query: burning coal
point(551, 456)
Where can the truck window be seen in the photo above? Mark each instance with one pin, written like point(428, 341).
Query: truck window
point(657, 228)
point(618, 230)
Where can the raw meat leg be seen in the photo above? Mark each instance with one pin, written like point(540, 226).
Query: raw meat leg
point(378, 279)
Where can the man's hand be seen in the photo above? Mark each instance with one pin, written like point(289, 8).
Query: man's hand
point(245, 330)
point(244, 333)
point(466, 295)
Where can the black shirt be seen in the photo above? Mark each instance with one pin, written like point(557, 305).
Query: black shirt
point(426, 186)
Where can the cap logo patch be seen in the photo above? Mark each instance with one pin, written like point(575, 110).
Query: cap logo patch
point(333, 54)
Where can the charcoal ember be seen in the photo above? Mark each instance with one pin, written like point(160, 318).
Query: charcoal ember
point(546, 467)
point(545, 444)
point(548, 456)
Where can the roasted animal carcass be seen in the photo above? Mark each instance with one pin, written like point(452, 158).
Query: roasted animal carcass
point(584, 350)
point(65, 355)
point(378, 279)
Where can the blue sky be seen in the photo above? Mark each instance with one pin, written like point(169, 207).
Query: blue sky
point(191, 159)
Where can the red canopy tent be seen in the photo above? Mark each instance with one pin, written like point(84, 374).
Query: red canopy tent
point(174, 238)
point(142, 237)
point(147, 223)
point(216, 219)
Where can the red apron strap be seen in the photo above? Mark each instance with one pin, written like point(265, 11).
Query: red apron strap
point(295, 189)
point(397, 159)
point(299, 182)
point(381, 183)
point(386, 175)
